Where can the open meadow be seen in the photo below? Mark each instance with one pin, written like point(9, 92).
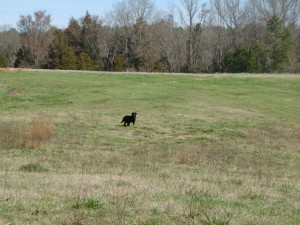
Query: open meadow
point(204, 149)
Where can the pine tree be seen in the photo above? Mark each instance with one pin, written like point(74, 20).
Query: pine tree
point(237, 61)
point(24, 58)
point(280, 46)
point(84, 62)
point(61, 55)
point(3, 60)
point(89, 38)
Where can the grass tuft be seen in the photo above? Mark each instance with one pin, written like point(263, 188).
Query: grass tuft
point(33, 167)
point(88, 203)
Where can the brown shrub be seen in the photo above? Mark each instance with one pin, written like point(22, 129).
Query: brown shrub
point(33, 136)
point(38, 132)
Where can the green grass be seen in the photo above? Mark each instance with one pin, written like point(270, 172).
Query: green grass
point(204, 149)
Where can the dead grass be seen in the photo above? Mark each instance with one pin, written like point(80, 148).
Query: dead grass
point(277, 136)
point(13, 92)
point(10, 137)
point(198, 154)
point(38, 132)
point(33, 136)
point(9, 70)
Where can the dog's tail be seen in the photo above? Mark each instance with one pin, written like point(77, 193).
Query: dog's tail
point(122, 120)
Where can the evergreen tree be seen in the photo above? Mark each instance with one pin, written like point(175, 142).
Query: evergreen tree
point(3, 60)
point(84, 62)
point(237, 61)
point(280, 46)
point(120, 63)
point(61, 55)
point(257, 61)
point(90, 38)
point(24, 58)
point(73, 35)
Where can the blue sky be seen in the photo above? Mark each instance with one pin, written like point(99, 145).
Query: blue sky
point(61, 10)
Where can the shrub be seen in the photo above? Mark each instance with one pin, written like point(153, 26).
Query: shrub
point(120, 63)
point(3, 60)
point(38, 132)
point(237, 61)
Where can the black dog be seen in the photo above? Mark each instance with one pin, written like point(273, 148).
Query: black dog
point(129, 119)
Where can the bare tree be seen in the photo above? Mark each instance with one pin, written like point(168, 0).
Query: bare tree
point(36, 35)
point(9, 43)
point(130, 18)
point(200, 44)
point(141, 9)
point(187, 16)
point(232, 14)
point(286, 10)
point(170, 43)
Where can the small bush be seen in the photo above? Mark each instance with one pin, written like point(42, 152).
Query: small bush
point(3, 60)
point(88, 203)
point(38, 132)
point(33, 167)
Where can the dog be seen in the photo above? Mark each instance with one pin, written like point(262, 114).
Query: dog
point(129, 119)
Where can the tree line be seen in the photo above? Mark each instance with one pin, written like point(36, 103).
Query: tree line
point(196, 36)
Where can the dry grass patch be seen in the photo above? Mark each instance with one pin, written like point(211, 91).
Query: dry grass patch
point(276, 135)
point(13, 92)
point(196, 154)
point(33, 136)
point(7, 69)
point(38, 132)
point(10, 136)
point(10, 70)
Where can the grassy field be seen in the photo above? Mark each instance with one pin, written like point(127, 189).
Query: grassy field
point(204, 150)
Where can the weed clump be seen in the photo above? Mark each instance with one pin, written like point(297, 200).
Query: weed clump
point(88, 203)
point(33, 167)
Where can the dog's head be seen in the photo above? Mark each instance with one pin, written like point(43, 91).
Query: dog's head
point(134, 114)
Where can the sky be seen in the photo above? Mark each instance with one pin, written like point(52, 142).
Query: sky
point(62, 10)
